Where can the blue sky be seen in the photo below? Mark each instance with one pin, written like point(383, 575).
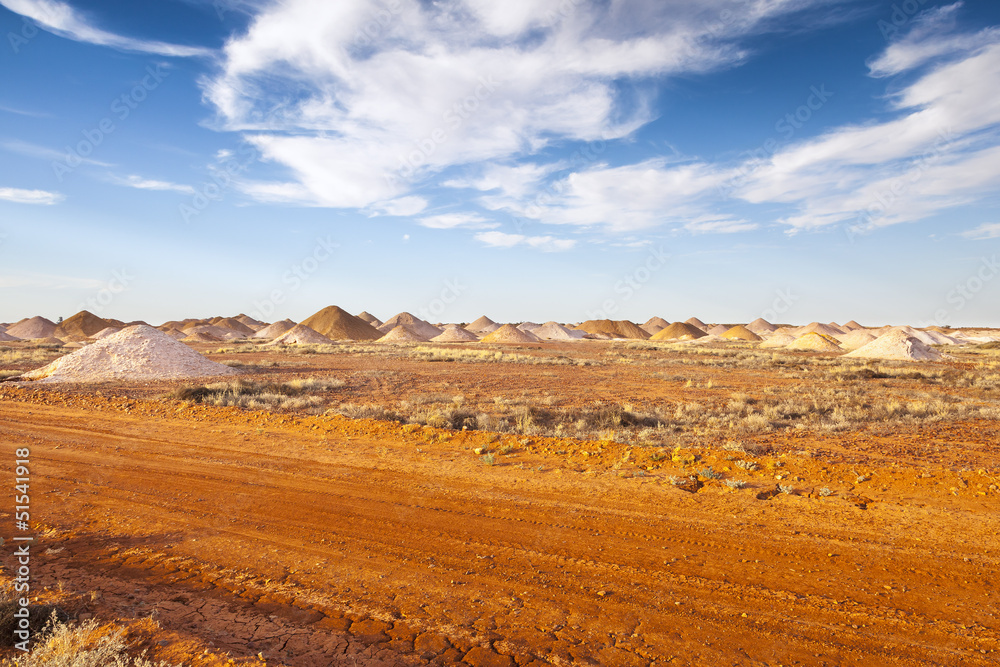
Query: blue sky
point(532, 160)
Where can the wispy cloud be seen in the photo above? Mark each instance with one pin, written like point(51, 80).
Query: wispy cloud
point(42, 153)
point(140, 183)
point(403, 206)
point(987, 230)
point(19, 196)
point(61, 19)
point(456, 220)
point(543, 243)
point(458, 83)
point(25, 112)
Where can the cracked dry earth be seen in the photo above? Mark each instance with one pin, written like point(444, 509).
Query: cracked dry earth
point(323, 541)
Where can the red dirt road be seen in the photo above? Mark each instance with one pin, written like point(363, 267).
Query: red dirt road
point(321, 541)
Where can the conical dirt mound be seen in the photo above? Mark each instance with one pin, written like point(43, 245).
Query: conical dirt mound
point(136, 353)
point(852, 326)
point(614, 329)
point(556, 331)
point(301, 334)
point(815, 342)
point(455, 334)
point(34, 327)
point(740, 332)
point(276, 329)
point(402, 334)
point(234, 325)
point(412, 322)
point(508, 333)
point(338, 324)
point(84, 324)
point(658, 321)
point(680, 331)
point(694, 321)
point(369, 318)
point(761, 326)
point(718, 330)
point(816, 327)
point(483, 323)
point(896, 345)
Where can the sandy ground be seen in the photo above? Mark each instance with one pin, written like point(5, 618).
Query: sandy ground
point(325, 541)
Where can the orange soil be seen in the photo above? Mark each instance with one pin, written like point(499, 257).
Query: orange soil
point(325, 541)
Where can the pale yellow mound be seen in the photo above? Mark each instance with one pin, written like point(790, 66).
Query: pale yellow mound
point(740, 332)
point(679, 331)
point(814, 342)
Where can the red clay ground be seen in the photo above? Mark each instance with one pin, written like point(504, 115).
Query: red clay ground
point(325, 541)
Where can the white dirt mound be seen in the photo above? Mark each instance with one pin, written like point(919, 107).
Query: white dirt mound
point(855, 339)
point(896, 345)
point(138, 352)
point(528, 326)
point(401, 333)
point(275, 330)
point(761, 326)
point(300, 334)
point(413, 323)
point(555, 331)
point(455, 334)
point(105, 332)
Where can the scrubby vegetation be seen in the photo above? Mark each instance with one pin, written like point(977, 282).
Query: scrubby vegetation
point(291, 395)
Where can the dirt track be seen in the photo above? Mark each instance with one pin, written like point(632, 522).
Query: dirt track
point(320, 541)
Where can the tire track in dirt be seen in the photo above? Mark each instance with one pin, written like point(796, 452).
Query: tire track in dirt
point(456, 551)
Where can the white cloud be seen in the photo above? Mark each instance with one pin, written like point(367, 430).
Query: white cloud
point(512, 181)
point(940, 151)
point(360, 107)
point(543, 243)
point(25, 112)
point(456, 220)
point(19, 196)
point(987, 230)
point(43, 153)
point(403, 206)
point(141, 183)
point(61, 19)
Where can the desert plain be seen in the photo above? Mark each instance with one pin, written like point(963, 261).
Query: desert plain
point(359, 493)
